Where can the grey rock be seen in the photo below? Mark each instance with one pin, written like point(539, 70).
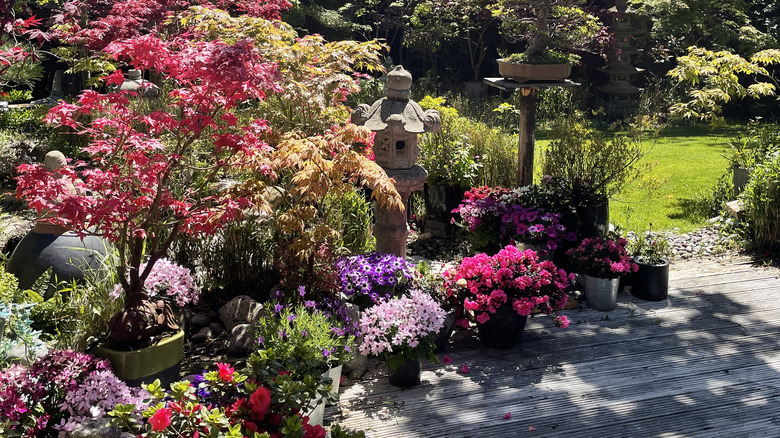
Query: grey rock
point(240, 310)
point(200, 320)
point(274, 196)
point(240, 340)
point(216, 328)
point(98, 428)
point(203, 335)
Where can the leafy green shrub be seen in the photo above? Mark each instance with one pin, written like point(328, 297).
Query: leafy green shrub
point(354, 217)
point(762, 204)
point(465, 152)
point(760, 141)
point(236, 260)
point(22, 119)
point(590, 166)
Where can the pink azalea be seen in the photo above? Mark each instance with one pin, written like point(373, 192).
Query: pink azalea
point(465, 369)
point(446, 360)
point(508, 416)
point(483, 318)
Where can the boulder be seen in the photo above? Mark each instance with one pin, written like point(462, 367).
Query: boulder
point(240, 310)
point(200, 320)
point(240, 340)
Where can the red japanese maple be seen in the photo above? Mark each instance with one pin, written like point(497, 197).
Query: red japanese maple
point(149, 176)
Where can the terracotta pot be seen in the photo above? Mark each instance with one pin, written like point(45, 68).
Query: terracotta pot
point(533, 72)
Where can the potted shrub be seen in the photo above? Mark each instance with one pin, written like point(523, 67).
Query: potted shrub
point(401, 332)
point(588, 169)
point(502, 290)
point(651, 253)
point(168, 284)
point(448, 157)
point(601, 263)
point(527, 215)
point(547, 26)
point(305, 342)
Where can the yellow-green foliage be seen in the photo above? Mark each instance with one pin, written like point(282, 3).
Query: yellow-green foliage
point(316, 74)
point(315, 157)
point(717, 77)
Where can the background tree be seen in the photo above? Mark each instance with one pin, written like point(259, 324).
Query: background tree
point(717, 78)
point(716, 24)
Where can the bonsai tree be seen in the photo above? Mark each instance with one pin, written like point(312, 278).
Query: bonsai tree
point(546, 25)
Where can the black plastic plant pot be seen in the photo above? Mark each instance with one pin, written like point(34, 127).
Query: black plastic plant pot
point(594, 220)
point(651, 282)
point(503, 330)
point(406, 375)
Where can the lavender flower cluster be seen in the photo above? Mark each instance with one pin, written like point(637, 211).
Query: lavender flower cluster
point(168, 278)
point(362, 274)
point(400, 323)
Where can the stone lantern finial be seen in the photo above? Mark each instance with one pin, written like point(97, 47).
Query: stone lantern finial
point(399, 82)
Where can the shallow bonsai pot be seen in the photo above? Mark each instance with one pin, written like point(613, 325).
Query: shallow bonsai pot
point(160, 361)
point(533, 72)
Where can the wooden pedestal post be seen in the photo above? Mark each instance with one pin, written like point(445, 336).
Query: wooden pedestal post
point(525, 147)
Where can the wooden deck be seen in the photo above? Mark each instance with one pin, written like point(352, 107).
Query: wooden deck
point(704, 363)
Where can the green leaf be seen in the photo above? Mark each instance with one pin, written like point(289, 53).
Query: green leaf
point(395, 361)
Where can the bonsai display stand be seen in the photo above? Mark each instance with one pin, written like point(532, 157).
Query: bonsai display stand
point(525, 146)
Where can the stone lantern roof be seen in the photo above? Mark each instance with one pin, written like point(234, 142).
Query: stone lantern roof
point(396, 109)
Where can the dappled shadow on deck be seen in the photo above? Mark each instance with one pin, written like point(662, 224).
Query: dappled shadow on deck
point(705, 362)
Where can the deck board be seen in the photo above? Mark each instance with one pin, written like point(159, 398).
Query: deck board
point(704, 363)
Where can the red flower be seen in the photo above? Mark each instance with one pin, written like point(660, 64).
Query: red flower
point(225, 372)
point(161, 419)
point(260, 401)
point(315, 431)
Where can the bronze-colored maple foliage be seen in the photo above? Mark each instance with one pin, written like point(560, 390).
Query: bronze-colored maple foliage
point(325, 165)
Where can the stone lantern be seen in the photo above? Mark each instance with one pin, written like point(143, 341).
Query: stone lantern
point(397, 121)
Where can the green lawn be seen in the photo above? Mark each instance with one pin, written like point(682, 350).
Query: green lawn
point(689, 161)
